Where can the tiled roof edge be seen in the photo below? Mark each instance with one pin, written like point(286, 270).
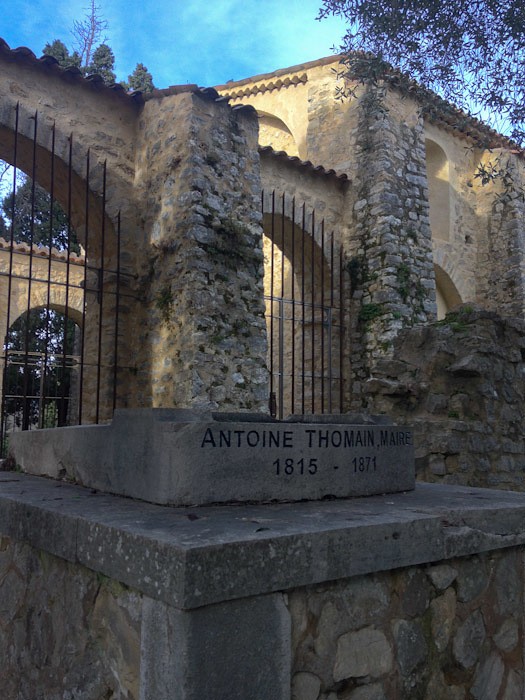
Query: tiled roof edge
point(49, 63)
point(295, 161)
point(281, 71)
point(447, 115)
point(42, 252)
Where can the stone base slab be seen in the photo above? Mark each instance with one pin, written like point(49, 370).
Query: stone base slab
point(182, 457)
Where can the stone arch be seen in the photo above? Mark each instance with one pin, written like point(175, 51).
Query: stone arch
point(81, 116)
point(58, 298)
point(274, 132)
point(438, 175)
point(447, 294)
point(69, 187)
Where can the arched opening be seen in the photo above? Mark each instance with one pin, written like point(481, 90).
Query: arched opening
point(39, 376)
point(303, 314)
point(274, 132)
point(58, 250)
point(438, 175)
point(447, 295)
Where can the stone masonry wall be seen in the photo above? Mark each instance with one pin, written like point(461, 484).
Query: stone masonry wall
point(460, 384)
point(65, 632)
point(391, 270)
point(448, 631)
point(502, 258)
point(204, 334)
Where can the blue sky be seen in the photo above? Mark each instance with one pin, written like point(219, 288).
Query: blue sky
point(184, 41)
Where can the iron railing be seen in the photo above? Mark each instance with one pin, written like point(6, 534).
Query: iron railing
point(305, 313)
point(41, 276)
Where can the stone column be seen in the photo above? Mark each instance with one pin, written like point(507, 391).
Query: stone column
point(235, 649)
point(502, 256)
point(204, 327)
point(390, 252)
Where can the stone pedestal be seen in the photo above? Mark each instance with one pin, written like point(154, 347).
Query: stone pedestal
point(184, 457)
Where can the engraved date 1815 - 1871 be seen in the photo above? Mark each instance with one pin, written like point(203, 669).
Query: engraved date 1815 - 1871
point(311, 466)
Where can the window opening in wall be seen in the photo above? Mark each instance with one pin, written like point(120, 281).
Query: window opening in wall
point(438, 190)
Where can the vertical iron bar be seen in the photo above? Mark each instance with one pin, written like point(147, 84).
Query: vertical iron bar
point(3, 423)
point(272, 272)
point(341, 329)
point(117, 310)
point(292, 384)
point(322, 315)
point(26, 409)
point(312, 299)
point(48, 281)
point(281, 316)
point(303, 307)
point(65, 348)
point(281, 358)
point(84, 301)
point(101, 292)
point(330, 339)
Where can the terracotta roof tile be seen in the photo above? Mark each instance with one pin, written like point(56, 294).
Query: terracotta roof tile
point(438, 111)
point(49, 63)
point(41, 251)
point(306, 164)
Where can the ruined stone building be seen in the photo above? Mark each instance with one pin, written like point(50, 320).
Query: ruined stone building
point(262, 248)
point(261, 245)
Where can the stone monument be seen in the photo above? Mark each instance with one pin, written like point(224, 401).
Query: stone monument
point(186, 457)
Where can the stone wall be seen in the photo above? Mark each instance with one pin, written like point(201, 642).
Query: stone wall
point(66, 631)
point(447, 631)
point(415, 595)
point(393, 283)
point(460, 384)
point(203, 337)
point(443, 631)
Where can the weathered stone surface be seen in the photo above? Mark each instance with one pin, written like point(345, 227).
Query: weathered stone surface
point(239, 648)
point(507, 636)
point(443, 611)
point(184, 457)
point(305, 686)
point(488, 677)
point(514, 686)
point(472, 434)
point(416, 595)
point(472, 579)
point(439, 689)
point(208, 560)
point(469, 640)
point(509, 586)
point(66, 633)
point(442, 575)
point(411, 647)
point(363, 653)
point(369, 692)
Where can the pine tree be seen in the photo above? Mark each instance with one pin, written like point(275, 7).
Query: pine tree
point(141, 79)
point(35, 219)
point(103, 64)
point(59, 50)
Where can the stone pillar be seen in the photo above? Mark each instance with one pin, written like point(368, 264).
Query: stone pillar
point(204, 329)
point(236, 649)
point(502, 258)
point(390, 252)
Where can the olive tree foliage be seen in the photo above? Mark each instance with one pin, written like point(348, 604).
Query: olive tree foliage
point(471, 52)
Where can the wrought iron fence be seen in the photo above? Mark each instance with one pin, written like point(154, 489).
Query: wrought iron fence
point(60, 286)
point(305, 313)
